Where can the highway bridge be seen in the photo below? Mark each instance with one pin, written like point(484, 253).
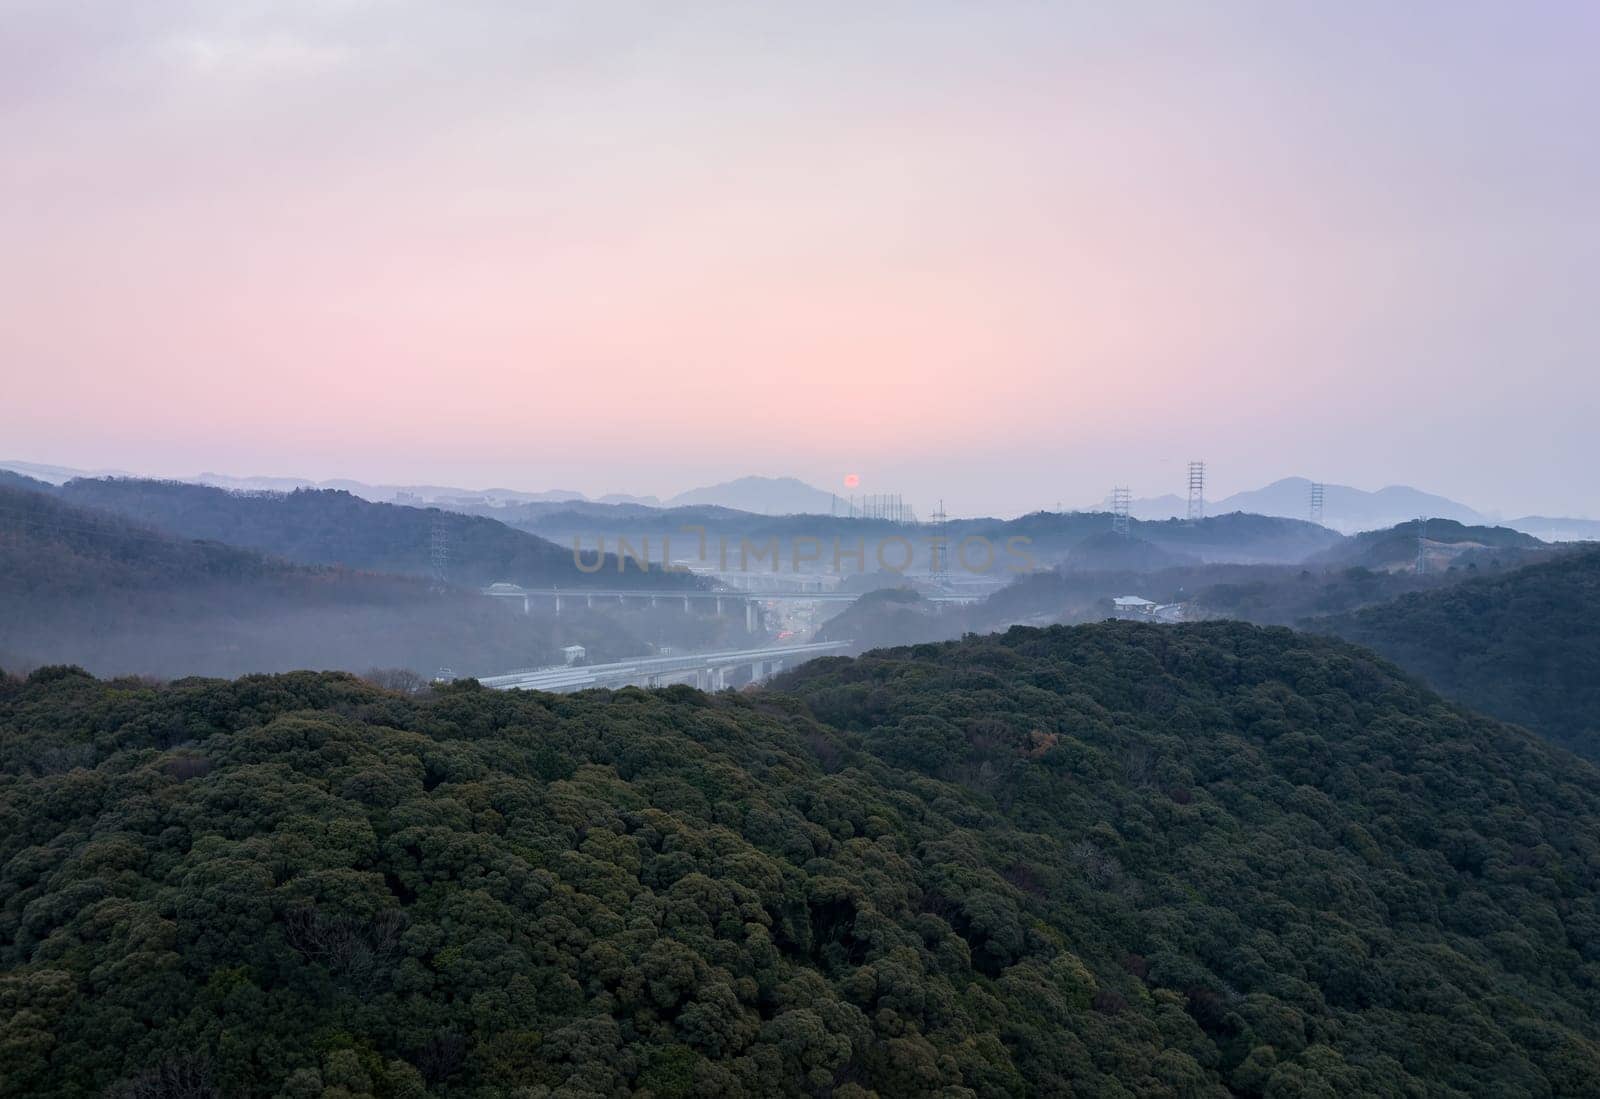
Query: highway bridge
point(526, 596)
point(708, 671)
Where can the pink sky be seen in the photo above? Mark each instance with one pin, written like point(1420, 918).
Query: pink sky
point(1005, 253)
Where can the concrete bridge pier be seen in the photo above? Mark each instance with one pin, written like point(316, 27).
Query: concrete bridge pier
point(750, 615)
point(711, 679)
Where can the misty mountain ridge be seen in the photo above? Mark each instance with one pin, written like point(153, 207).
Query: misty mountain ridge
point(377, 493)
point(437, 495)
point(754, 494)
point(57, 475)
point(93, 588)
point(329, 527)
point(761, 495)
point(1348, 509)
point(1345, 509)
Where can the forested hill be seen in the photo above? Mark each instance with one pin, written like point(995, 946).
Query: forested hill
point(14, 480)
point(1108, 860)
point(1443, 542)
point(1049, 537)
point(1524, 646)
point(325, 527)
point(95, 589)
point(1268, 595)
point(892, 616)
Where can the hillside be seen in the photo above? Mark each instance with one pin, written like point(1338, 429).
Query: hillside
point(94, 589)
point(1524, 646)
point(1444, 543)
point(12, 480)
point(1267, 595)
point(892, 616)
point(1110, 860)
point(1112, 551)
point(1235, 537)
point(324, 527)
point(1047, 538)
point(1275, 832)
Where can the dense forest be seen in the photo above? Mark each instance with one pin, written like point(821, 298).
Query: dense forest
point(1104, 860)
point(97, 590)
point(1268, 595)
point(1524, 646)
point(326, 527)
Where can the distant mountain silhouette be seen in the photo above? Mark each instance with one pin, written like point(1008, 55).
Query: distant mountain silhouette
point(1351, 509)
point(442, 495)
point(1557, 529)
point(762, 495)
point(56, 475)
point(438, 495)
point(1157, 508)
point(1153, 509)
point(1345, 509)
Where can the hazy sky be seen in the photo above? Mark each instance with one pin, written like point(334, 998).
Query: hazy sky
point(1007, 253)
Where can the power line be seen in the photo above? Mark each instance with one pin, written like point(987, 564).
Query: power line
point(1197, 491)
point(941, 552)
point(1121, 510)
point(439, 550)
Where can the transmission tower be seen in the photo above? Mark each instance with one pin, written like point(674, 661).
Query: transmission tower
point(1121, 506)
point(1197, 491)
point(1314, 506)
point(941, 551)
point(439, 550)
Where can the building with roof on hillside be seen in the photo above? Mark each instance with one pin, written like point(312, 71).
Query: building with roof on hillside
point(1132, 606)
point(1147, 610)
